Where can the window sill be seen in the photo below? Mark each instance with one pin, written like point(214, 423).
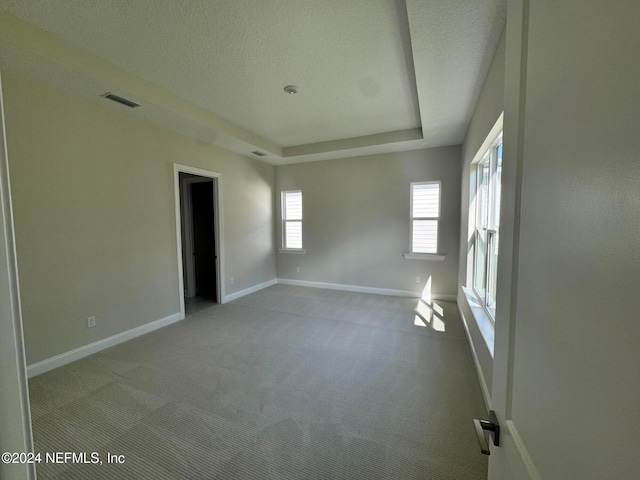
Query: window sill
point(299, 251)
point(484, 322)
point(424, 256)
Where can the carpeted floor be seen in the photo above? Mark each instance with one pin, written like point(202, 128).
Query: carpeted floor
point(286, 383)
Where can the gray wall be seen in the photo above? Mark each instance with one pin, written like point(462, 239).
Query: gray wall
point(487, 111)
point(356, 220)
point(95, 217)
point(576, 385)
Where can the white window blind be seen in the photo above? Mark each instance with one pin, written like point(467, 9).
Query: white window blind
point(425, 215)
point(292, 219)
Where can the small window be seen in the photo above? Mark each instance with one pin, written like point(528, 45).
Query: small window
point(292, 220)
point(425, 216)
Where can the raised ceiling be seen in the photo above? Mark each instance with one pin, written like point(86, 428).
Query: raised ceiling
point(373, 75)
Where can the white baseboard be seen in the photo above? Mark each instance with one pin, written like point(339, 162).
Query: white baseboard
point(527, 467)
point(486, 395)
point(255, 288)
point(362, 289)
point(444, 297)
point(90, 349)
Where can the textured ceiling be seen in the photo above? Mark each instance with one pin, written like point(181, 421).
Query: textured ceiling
point(371, 73)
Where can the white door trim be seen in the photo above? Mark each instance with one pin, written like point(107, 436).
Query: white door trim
point(218, 228)
point(15, 416)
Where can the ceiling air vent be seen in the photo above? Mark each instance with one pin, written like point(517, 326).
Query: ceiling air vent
point(259, 153)
point(119, 99)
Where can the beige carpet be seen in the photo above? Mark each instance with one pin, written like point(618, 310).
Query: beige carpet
point(286, 383)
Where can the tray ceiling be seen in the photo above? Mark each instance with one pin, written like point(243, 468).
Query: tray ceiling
point(372, 75)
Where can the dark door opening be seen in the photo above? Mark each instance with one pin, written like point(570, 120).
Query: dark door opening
point(204, 246)
point(197, 197)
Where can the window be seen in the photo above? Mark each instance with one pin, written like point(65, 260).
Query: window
point(487, 225)
point(292, 220)
point(425, 215)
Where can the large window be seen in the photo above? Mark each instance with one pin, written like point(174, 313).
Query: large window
point(487, 225)
point(425, 215)
point(292, 220)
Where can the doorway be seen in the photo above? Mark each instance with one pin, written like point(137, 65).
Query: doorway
point(198, 233)
point(203, 239)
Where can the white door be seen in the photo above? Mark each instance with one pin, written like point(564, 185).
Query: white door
point(566, 375)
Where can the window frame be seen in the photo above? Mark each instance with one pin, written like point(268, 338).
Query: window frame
point(412, 219)
point(283, 203)
point(491, 230)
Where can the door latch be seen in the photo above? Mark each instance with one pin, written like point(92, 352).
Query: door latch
point(492, 426)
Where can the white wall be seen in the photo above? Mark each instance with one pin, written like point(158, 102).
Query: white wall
point(95, 218)
point(357, 219)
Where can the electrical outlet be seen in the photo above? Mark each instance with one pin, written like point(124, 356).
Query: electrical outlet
point(91, 322)
point(417, 278)
point(298, 269)
point(231, 280)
